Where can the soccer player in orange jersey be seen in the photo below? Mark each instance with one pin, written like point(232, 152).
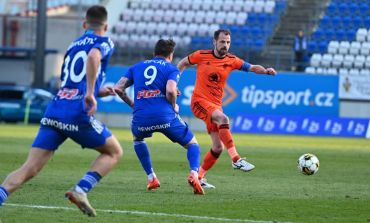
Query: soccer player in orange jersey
point(214, 67)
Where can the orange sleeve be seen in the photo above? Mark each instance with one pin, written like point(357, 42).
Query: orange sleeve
point(195, 57)
point(238, 63)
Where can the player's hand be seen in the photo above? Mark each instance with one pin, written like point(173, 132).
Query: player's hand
point(118, 90)
point(107, 91)
point(178, 92)
point(176, 108)
point(90, 104)
point(271, 71)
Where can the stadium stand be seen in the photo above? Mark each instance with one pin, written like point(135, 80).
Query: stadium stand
point(342, 39)
point(192, 23)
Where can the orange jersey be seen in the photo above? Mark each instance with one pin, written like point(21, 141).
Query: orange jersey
point(212, 73)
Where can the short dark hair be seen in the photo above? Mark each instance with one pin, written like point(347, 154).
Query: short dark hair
point(96, 15)
point(224, 31)
point(164, 47)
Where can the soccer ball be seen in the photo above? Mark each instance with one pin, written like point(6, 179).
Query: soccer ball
point(308, 164)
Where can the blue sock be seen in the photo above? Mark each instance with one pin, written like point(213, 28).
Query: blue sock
point(89, 181)
point(142, 153)
point(194, 156)
point(3, 195)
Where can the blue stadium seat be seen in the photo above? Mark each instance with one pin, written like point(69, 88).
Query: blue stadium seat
point(340, 35)
point(347, 21)
point(357, 22)
point(367, 22)
point(318, 34)
point(323, 46)
point(342, 8)
point(364, 8)
point(353, 8)
point(312, 46)
point(351, 34)
point(335, 21)
point(325, 22)
point(331, 10)
point(329, 34)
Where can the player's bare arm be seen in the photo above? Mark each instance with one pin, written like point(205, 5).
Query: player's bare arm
point(92, 67)
point(183, 64)
point(106, 91)
point(120, 89)
point(171, 94)
point(258, 69)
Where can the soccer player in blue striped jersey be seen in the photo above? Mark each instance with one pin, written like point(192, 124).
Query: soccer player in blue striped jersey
point(71, 114)
point(155, 110)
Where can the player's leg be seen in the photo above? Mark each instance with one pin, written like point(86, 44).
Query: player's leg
point(96, 136)
point(110, 153)
point(226, 137)
point(37, 158)
point(179, 132)
point(143, 154)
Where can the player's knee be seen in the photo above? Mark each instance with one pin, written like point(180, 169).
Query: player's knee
point(221, 119)
point(217, 149)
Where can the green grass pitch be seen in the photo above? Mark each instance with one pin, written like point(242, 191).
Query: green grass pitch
point(274, 192)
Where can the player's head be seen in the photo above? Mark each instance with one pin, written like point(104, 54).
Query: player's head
point(222, 41)
point(96, 18)
point(165, 48)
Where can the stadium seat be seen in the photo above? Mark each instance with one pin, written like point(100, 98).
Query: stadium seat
point(333, 47)
point(337, 60)
point(332, 71)
point(310, 70)
point(217, 5)
point(354, 72)
point(176, 4)
point(355, 48)
point(196, 5)
point(140, 27)
point(248, 6)
point(192, 29)
point(169, 15)
point(343, 71)
point(351, 34)
point(365, 72)
point(189, 16)
point(186, 5)
point(138, 15)
point(151, 28)
point(238, 6)
point(258, 6)
point(340, 35)
point(210, 17)
point(182, 29)
point(148, 15)
point(320, 70)
point(348, 61)
point(365, 48)
point(172, 29)
point(231, 18)
point(220, 17)
point(364, 8)
point(343, 47)
point(227, 6)
point(269, 6)
point(199, 16)
point(202, 30)
point(361, 35)
point(359, 61)
point(241, 18)
point(123, 40)
point(325, 22)
point(367, 62)
point(158, 15)
point(316, 60)
point(326, 60)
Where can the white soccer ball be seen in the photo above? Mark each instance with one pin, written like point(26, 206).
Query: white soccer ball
point(308, 164)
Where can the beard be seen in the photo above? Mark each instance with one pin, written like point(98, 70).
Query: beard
point(222, 52)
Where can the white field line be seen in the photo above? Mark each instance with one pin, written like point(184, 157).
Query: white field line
point(144, 213)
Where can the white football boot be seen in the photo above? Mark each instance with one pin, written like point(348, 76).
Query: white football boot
point(243, 165)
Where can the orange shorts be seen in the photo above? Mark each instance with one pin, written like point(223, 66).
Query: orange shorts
point(203, 109)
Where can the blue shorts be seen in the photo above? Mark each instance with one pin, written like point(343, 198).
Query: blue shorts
point(53, 133)
point(176, 129)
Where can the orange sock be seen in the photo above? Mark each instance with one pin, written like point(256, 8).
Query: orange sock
point(208, 161)
point(227, 140)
